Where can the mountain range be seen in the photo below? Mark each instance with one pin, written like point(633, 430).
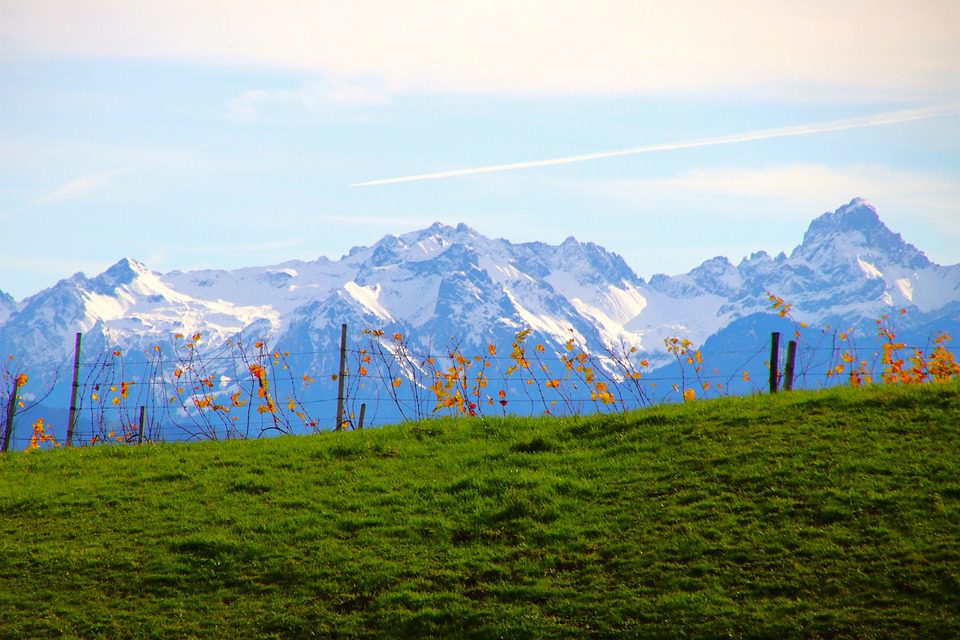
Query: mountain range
point(451, 285)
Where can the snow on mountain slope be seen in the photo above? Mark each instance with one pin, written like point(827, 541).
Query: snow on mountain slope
point(282, 287)
point(126, 305)
point(129, 298)
point(695, 318)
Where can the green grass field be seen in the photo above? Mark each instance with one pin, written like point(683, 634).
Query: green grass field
point(806, 515)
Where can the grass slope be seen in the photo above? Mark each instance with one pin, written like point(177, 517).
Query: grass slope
point(828, 514)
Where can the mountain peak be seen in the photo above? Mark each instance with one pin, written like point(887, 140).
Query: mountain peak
point(856, 228)
point(856, 215)
point(444, 233)
point(124, 271)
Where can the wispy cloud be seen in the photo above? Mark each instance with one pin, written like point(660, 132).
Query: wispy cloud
point(391, 221)
point(879, 119)
point(81, 187)
point(249, 247)
point(311, 96)
point(806, 185)
point(535, 46)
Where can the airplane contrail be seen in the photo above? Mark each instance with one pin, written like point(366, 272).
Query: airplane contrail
point(889, 117)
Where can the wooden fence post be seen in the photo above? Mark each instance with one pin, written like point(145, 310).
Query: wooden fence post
point(774, 361)
point(342, 374)
point(72, 418)
point(11, 410)
point(363, 412)
point(143, 419)
point(790, 366)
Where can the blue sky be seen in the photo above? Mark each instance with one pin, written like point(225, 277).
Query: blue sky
point(225, 134)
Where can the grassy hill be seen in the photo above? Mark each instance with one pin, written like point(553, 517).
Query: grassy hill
point(826, 514)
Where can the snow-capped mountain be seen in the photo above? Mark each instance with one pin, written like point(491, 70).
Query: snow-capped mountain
point(849, 266)
point(445, 285)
